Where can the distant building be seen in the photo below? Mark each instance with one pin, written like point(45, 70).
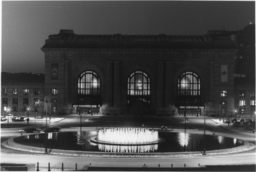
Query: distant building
point(22, 92)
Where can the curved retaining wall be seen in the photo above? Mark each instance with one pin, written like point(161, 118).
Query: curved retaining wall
point(13, 145)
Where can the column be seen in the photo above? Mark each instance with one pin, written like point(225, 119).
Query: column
point(117, 83)
point(109, 84)
point(160, 87)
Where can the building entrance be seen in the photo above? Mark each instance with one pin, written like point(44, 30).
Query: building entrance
point(190, 111)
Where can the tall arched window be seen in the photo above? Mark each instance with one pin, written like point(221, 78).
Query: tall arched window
point(88, 83)
point(189, 84)
point(138, 84)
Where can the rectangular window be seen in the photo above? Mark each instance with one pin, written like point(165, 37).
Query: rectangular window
point(4, 91)
point(15, 91)
point(252, 94)
point(25, 101)
point(252, 102)
point(15, 101)
point(223, 93)
point(54, 91)
point(242, 94)
point(241, 102)
point(25, 91)
point(36, 91)
point(36, 101)
point(5, 101)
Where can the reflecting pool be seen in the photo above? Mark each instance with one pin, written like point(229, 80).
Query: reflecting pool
point(173, 142)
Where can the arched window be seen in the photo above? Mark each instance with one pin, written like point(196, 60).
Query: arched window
point(89, 83)
point(189, 84)
point(138, 84)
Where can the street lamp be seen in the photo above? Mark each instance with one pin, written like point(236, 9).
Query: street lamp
point(28, 112)
point(235, 112)
point(7, 110)
point(204, 125)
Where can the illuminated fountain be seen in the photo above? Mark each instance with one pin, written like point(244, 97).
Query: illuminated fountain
point(127, 136)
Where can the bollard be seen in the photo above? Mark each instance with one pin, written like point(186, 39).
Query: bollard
point(171, 165)
point(49, 168)
point(62, 167)
point(37, 169)
point(76, 166)
point(199, 165)
point(159, 165)
point(184, 165)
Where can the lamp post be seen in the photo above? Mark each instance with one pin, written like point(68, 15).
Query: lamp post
point(204, 125)
point(28, 112)
point(235, 112)
point(45, 113)
point(8, 109)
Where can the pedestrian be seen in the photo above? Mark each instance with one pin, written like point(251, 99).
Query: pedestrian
point(27, 121)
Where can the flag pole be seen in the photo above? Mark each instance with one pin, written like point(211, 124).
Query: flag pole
point(45, 112)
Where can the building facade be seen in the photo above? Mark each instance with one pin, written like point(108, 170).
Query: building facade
point(140, 74)
point(22, 93)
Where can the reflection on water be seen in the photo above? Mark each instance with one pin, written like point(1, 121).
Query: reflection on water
point(128, 149)
point(235, 140)
point(183, 139)
point(220, 139)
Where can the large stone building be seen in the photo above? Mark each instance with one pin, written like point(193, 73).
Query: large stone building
point(140, 74)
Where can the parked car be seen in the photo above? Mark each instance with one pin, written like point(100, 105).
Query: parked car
point(227, 121)
point(39, 117)
point(51, 129)
point(234, 120)
point(31, 130)
point(247, 122)
point(9, 116)
point(17, 118)
point(3, 118)
point(236, 124)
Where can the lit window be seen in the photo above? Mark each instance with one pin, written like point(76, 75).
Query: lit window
point(242, 94)
point(15, 91)
point(241, 102)
point(89, 83)
point(224, 102)
point(138, 84)
point(36, 91)
point(26, 91)
point(4, 91)
point(223, 93)
point(252, 102)
point(189, 84)
point(54, 91)
point(36, 101)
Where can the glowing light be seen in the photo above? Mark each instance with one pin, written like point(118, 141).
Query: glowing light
point(184, 83)
point(235, 140)
point(128, 149)
point(220, 139)
point(183, 139)
point(94, 83)
point(139, 84)
point(49, 136)
point(127, 135)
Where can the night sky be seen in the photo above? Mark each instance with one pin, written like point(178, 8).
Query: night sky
point(26, 24)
